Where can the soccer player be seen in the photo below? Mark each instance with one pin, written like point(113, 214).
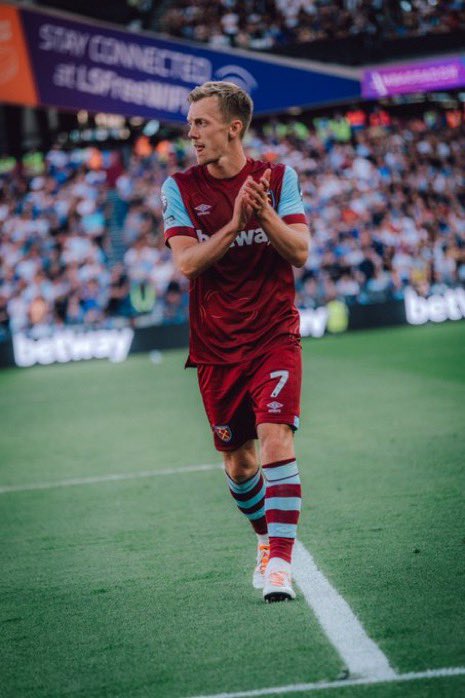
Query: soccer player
point(236, 226)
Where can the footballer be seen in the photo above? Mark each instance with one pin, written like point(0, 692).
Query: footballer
point(236, 227)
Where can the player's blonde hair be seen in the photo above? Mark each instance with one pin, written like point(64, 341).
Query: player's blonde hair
point(234, 102)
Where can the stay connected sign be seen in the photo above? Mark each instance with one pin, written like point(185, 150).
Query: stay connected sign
point(52, 60)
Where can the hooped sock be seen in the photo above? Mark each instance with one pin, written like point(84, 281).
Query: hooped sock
point(250, 499)
point(282, 506)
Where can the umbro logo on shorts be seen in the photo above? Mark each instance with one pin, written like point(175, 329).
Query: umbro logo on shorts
point(274, 406)
point(223, 432)
point(203, 209)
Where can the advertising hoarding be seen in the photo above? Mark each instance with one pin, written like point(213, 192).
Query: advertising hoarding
point(69, 345)
point(419, 76)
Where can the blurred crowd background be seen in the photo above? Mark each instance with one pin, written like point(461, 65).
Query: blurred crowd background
point(268, 24)
point(81, 236)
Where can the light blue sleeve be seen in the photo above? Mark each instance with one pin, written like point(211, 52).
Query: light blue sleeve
point(290, 202)
point(174, 212)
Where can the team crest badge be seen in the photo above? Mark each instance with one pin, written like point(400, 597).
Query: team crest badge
point(223, 432)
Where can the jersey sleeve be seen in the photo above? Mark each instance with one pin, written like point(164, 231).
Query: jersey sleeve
point(176, 219)
point(291, 207)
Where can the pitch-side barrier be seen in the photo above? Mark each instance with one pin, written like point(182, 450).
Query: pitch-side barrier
point(66, 345)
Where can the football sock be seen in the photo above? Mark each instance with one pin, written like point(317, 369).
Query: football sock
point(250, 499)
point(282, 506)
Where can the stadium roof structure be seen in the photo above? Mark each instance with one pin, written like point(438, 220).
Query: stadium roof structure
point(50, 58)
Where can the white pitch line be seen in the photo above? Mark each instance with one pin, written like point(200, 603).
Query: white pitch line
point(73, 482)
point(327, 685)
point(362, 657)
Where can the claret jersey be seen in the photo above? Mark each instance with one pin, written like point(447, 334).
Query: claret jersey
point(243, 304)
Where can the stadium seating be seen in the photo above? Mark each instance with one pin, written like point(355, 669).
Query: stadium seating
point(359, 26)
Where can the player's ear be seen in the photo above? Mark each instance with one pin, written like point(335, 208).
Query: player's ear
point(235, 129)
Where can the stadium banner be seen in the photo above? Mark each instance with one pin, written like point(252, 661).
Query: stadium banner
point(77, 64)
point(71, 344)
point(418, 76)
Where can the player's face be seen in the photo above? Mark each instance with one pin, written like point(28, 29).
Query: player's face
point(208, 130)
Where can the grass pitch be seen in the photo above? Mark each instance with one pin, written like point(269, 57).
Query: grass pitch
point(140, 588)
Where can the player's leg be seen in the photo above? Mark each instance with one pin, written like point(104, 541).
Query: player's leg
point(282, 506)
point(230, 413)
point(247, 487)
point(276, 398)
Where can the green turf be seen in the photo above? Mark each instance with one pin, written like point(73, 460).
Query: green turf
point(129, 589)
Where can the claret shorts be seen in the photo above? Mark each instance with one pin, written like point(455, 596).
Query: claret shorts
point(238, 397)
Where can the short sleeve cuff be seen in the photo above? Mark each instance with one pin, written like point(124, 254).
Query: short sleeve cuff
point(179, 230)
point(295, 218)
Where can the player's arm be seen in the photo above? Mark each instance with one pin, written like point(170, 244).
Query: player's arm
point(190, 256)
point(291, 240)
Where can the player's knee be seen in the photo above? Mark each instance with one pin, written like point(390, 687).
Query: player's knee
point(276, 442)
point(241, 464)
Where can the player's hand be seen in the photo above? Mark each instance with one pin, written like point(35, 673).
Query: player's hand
point(257, 193)
point(242, 208)
point(265, 179)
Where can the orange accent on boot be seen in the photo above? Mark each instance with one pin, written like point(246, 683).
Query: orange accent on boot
point(264, 557)
point(279, 579)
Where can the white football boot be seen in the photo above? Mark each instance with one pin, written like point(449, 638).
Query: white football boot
point(263, 555)
point(278, 581)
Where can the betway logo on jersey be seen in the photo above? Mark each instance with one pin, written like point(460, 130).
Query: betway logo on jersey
point(67, 345)
point(256, 236)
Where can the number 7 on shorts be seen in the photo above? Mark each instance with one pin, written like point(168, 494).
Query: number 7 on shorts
point(283, 378)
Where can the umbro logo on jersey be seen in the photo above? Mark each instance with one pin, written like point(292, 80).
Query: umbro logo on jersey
point(203, 209)
point(274, 406)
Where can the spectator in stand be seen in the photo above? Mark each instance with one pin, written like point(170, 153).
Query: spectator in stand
point(4, 317)
point(175, 305)
point(118, 292)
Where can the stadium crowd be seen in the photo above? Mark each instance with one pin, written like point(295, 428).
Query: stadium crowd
point(264, 24)
point(81, 237)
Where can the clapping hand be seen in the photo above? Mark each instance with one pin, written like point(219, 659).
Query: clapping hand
point(256, 193)
point(242, 207)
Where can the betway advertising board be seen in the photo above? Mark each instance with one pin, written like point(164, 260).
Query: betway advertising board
point(70, 345)
point(439, 307)
point(53, 59)
point(64, 346)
